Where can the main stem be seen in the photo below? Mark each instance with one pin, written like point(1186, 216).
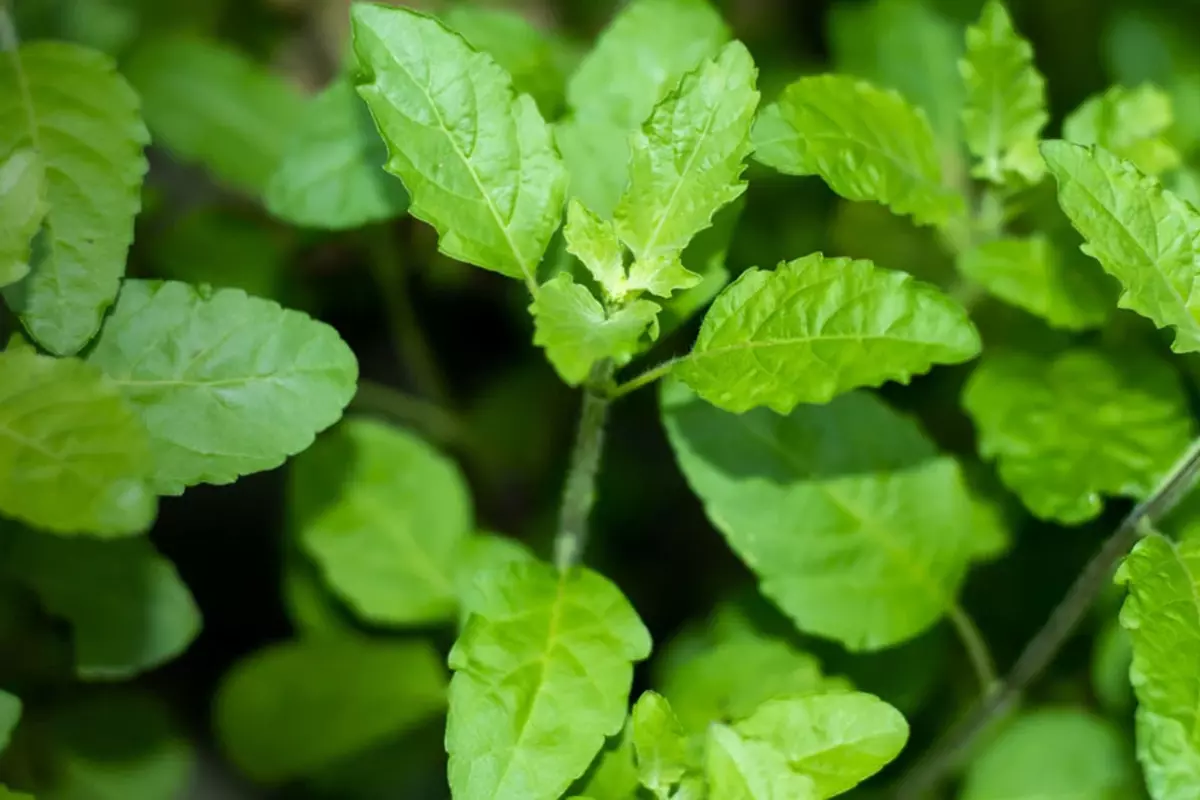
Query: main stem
point(1063, 621)
point(579, 494)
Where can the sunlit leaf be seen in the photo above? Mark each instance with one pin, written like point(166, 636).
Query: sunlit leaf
point(1130, 123)
point(660, 745)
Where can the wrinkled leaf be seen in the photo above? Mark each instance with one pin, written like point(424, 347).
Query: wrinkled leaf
point(594, 242)
point(743, 769)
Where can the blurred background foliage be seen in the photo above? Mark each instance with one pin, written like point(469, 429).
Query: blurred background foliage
point(497, 406)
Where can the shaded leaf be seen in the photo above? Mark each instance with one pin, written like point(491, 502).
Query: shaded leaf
point(10, 715)
point(22, 209)
point(226, 250)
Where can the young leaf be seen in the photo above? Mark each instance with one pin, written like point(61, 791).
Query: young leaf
point(70, 107)
point(10, 715)
point(817, 327)
point(1070, 428)
point(1053, 753)
point(22, 209)
point(866, 143)
point(1142, 234)
point(128, 609)
point(614, 774)
point(330, 175)
point(686, 165)
point(660, 745)
point(73, 455)
point(542, 675)
point(578, 332)
point(1130, 123)
point(641, 56)
point(1163, 619)
point(383, 515)
point(594, 242)
point(294, 708)
point(744, 769)
point(208, 103)
point(1035, 275)
point(857, 529)
point(1006, 99)
point(476, 159)
point(836, 740)
point(227, 384)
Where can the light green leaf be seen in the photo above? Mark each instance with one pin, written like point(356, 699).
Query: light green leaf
point(727, 679)
point(86, 737)
point(594, 242)
point(477, 556)
point(330, 175)
point(69, 105)
point(743, 769)
point(640, 57)
point(128, 609)
point(294, 708)
point(613, 775)
point(544, 658)
point(660, 745)
point(1162, 615)
point(578, 332)
point(817, 327)
point(866, 143)
point(22, 209)
point(1054, 754)
point(383, 515)
point(477, 160)
point(836, 740)
point(857, 529)
point(1130, 123)
point(227, 384)
point(1143, 235)
point(73, 456)
point(686, 165)
point(534, 60)
point(10, 715)
point(1033, 274)
point(210, 104)
point(1006, 99)
point(1068, 429)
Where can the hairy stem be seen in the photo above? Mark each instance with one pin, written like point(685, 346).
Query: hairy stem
point(1063, 621)
point(975, 646)
point(407, 337)
point(579, 493)
point(647, 377)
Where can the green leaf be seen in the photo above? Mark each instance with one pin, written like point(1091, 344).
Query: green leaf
point(1070, 428)
point(383, 515)
point(1143, 235)
point(1162, 615)
point(210, 104)
point(294, 708)
point(477, 160)
point(640, 57)
point(128, 609)
point(744, 769)
point(578, 332)
point(817, 327)
point(10, 715)
point(330, 175)
point(1112, 654)
point(1053, 754)
point(225, 249)
point(1130, 123)
point(866, 143)
point(836, 740)
point(545, 657)
point(534, 60)
point(614, 774)
point(69, 105)
point(594, 242)
point(74, 457)
point(22, 209)
point(686, 165)
point(660, 745)
point(1006, 99)
point(855, 526)
point(227, 384)
point(9, 794)
point(1032, 273)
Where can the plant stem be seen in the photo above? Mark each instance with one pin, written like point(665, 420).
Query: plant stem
point(1062, 622)
point(407, 337)
point(430, 418)
point(579, 493)
point(975, 646)
point(647, 377)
